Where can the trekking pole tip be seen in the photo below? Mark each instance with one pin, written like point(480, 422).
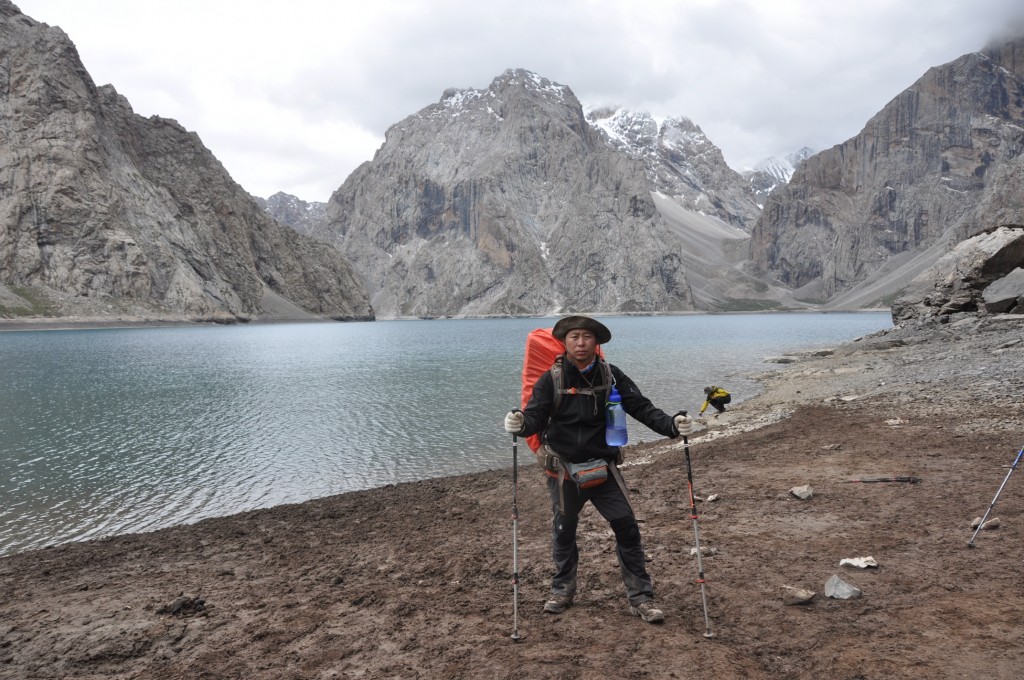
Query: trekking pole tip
point(709, 634)
point(516, 637)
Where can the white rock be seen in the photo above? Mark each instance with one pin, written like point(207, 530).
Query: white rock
point(791, 595)
point(839, 589)
point(990, 524)
point(861, 562)
point(802, 492)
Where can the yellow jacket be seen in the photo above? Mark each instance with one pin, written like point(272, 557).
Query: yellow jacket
point(716, 393)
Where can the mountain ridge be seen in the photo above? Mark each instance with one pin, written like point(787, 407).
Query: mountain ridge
point(506, 200)
point(106, 213)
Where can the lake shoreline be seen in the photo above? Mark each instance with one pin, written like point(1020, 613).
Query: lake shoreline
point(98, 323)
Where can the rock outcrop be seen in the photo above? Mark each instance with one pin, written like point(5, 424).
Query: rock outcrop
point(985, 274)
point(940, 163)
point(504, 201)
point(105, 212)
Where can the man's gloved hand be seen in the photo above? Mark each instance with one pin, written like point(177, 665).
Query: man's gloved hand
point(514, 422)
point(683, 423)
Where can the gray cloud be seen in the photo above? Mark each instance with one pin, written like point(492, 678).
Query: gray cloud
point(294, 96)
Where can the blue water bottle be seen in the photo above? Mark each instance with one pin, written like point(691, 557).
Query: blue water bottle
point(615, 429)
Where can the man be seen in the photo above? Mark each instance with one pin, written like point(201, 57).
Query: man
point(717, 397)
point(573, 433)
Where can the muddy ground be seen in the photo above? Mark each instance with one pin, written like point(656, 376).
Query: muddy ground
point(413, 581)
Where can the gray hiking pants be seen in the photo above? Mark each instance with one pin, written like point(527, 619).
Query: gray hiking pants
point(609, 500)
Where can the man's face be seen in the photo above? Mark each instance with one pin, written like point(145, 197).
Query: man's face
point(581, 345)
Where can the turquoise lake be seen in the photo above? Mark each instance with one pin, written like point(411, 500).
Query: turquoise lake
point(116, 431)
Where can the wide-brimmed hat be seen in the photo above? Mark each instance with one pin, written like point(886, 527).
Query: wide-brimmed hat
point(571, 323)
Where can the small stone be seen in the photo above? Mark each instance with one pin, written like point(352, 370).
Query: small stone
point(704, 550)
point(838, 589)
point(991, 524)
point(791, 595)
point(860, 562)
point(802, 492)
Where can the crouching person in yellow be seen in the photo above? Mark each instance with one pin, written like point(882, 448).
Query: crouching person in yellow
point(717, 397)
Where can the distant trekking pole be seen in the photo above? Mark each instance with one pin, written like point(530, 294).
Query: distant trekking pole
point(970, 543)
point(696, 538)
point(516, 637)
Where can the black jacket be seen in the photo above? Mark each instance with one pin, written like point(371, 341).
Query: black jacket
point(577, 429)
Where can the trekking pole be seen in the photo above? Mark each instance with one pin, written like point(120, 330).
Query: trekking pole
point(696, 538)
point(872, 480)
point(516, 637)
point(970, 543)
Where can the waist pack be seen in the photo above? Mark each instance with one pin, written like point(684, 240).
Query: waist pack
point(589, 474)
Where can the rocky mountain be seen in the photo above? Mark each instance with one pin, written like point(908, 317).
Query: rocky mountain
point(772, 172)
point(510, 200)
point(940, 163)
point(106, 213)
point(304, 217)
point(680, 162)
point(505, 201)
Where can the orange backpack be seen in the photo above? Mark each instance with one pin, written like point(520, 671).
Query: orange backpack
point(544, 353)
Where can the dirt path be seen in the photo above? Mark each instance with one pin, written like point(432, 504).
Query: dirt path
point(413, 581)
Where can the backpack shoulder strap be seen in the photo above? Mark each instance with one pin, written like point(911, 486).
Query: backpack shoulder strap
point(606, 371)
point(558, 381)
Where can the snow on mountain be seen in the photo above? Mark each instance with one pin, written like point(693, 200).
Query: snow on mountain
point(773, 172)
point(680, 162)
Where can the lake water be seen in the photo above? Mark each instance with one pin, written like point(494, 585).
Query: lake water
point(115, 431)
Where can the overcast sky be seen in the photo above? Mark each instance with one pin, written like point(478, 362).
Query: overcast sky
point(292, 95)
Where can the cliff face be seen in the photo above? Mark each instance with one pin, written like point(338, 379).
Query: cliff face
point(505, 201)
point(940, 163)
point(101, 209)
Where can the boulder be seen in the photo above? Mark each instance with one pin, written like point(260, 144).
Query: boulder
point(1005, 294)
point(957, 281)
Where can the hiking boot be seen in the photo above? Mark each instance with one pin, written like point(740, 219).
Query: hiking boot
point(647, 611)
point(557, 603)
